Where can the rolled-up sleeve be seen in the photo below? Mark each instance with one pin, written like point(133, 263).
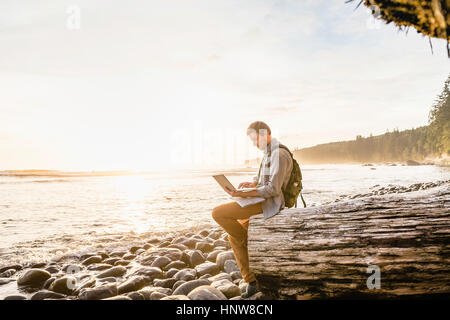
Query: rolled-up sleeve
point(279, 164)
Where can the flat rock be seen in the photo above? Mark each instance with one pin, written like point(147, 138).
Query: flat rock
point(224, 256)
point(117, 271)
point(134, 283)
point(207, 267)
point(149, 272)
point(98, 293)
point(206, 292)
point(118, 298)
point(45, 294)
point(165, 283)
point(15, 297)
point(228, 288)
point(64, 285)
point(34, 277)
point(161, 262)
point(230, 266)
point(186, 274)
point(176, 297)
point(188, 286)
point(91, 260)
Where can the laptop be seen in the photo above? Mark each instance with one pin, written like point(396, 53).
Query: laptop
point(227, 185)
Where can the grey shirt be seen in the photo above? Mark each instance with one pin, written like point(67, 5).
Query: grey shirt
point(280, 171)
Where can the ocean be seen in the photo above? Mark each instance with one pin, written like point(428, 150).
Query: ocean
point(46, 217)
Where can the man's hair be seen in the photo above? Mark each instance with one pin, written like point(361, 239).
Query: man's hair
point(257, 126)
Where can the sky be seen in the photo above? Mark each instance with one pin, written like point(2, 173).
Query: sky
point(149, 85)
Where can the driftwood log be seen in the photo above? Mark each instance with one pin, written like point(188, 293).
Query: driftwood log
point(324, 252)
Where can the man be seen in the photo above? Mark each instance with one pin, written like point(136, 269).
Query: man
point(275, 171)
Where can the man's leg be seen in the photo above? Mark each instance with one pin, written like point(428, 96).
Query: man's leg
point(234, 219)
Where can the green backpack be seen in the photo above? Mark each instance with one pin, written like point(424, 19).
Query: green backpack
point(294, 187)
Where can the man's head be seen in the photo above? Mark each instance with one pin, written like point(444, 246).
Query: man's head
point(260, 134)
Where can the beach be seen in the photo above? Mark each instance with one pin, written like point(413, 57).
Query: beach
point(132, 256)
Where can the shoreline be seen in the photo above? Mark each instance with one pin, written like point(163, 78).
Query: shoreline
point(207, 240)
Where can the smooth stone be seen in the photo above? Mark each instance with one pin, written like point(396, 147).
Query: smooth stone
point(134, 249)
point(45, 294)
point(48, 282)
point(177, 284)
point(212, 256)
point(64, 285)
point(215, 234)
point(122, 263)
point(230, 266)
point(15, 297)
point(170, 273)
point(149, 272)
point(113, 272)
point(89, 283)
point(206, 292)
point(8, 273)
point(206, 276)
point(236, 275)
point(34, 277)
point(91, 260)
point(135, 296)
point(177, 297)
point(16, 267)
point(204, 246)
point(99, 266)
point(207, 267)
point(221, 243)
point(190, 243)
point(146, 292)
point(188, 286)
point(52, 269)
point(220, 276)
point(134, 283)
point(108, 279)
point(228, 288)
point(165, 283)
point(178, 246)
point(196, 258)
point(224, 256)
point(161, 262)
point(118, 254)
point(186, 274)
point(157, 295)
point(118, 298)
point(163, 244)
point(176, 264)
point(111, 261)
point(38, 265)
point(98, 293)
point(129, 256)
point(236, 298)
point(140, 251)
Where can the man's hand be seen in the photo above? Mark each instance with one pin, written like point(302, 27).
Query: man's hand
point(247, 185)
point(242, 194)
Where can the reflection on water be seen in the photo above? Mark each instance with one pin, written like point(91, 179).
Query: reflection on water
point(41, 215)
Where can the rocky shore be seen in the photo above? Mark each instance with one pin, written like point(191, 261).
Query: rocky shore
point(190, 266)
point(378, 190)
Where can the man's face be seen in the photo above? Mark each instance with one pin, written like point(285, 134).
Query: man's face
point(258, 140)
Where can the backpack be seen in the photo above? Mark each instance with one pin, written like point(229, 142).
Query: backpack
point(294, 186)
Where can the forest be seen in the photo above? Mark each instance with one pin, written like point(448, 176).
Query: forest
point(418, 144)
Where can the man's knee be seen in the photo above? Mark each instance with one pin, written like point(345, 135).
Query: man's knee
point(216, 213)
